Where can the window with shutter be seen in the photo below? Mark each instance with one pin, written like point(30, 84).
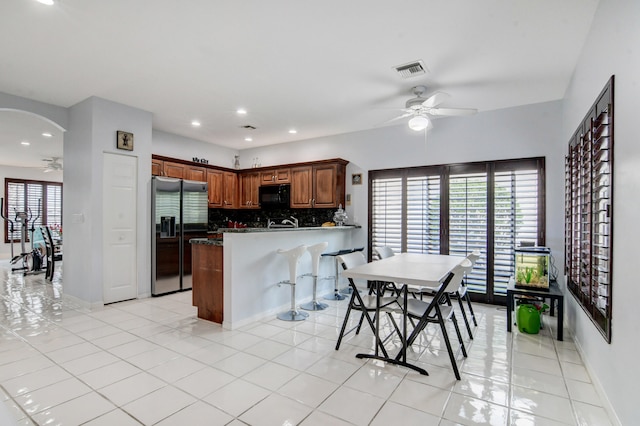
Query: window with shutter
point(41, 200)
point(490, 207)
point(588, 216)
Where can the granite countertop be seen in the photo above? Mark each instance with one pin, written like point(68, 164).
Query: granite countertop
point(310, 228)
point(206, 241)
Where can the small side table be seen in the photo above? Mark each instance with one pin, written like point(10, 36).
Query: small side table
point(553, 294)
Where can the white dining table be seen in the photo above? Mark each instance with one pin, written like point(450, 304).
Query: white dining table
point(424, 270)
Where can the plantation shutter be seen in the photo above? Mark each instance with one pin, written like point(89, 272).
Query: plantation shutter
point(423, 214)
point(516, 201)
point(41, 201)
point(468, 223)
point(386, 204)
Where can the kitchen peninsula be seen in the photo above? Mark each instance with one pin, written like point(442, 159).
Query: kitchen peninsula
point(235, 278)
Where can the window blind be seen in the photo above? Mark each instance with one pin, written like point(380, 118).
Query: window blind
point(468, 223)
point(423, 214)
point(41, 200)
point(386, 202)
point(490, 207)
point(516, 204)
point(588, 217)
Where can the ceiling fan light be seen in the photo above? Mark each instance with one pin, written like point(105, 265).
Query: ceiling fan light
point(418, 123)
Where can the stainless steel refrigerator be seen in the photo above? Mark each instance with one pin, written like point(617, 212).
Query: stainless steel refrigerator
point(179, 212)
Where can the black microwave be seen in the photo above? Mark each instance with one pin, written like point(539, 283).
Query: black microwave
point(274, 195)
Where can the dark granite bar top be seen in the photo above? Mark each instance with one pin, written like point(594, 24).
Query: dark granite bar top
point(312, 228)
point(206, 241)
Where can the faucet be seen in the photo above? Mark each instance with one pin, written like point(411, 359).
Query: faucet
point(269, 223)
point(290, 222)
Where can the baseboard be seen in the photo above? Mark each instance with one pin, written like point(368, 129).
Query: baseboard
point(83, 303)
point(596, 383)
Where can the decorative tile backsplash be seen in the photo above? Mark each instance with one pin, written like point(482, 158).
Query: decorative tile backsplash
point(219, 218)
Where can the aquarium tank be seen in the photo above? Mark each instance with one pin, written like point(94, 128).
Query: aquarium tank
point(532, 267)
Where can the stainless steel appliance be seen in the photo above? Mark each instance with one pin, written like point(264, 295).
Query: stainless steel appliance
point(179, 212)
point(272, 196)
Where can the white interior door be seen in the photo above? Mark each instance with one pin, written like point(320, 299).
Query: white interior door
point(120, 176)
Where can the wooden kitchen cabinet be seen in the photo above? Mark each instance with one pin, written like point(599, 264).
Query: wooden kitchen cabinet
point(248, 192)
point(275, 176)
point(157, 167)
point(195, 173)
point(207, 292)
point(230, 190)
point(215, 184)
point(301, 187)
point(318, 186)
point(174, 170)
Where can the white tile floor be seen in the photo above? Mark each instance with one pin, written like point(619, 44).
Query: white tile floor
point(153, 362)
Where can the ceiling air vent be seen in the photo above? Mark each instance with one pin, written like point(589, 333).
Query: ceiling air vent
point(248, 127)
point(411, 69)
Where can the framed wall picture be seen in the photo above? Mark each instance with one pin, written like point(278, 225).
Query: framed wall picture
point(356, 179)
point(125, 140)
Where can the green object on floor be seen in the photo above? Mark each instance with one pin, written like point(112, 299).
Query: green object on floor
point(528, 319)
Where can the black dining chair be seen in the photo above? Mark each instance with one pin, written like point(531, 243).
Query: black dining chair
point(438, 310)
point(366, 303)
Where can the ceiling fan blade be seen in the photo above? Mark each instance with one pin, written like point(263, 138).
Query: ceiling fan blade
point(452, 111)
point(400, 117)
point(436, 99)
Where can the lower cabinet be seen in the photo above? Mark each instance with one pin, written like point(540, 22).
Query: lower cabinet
point(207, 273)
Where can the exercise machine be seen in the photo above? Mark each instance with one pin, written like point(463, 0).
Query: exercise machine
point(31, 262)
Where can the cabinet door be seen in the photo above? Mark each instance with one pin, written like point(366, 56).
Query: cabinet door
point(283, 176)
point(249, 184)
point(325, 186)
point(157, 167)
point(301, 187)
point(230, 191)
point(268, 177)
point(215, 185)
point(196, 173)
point(174, 170)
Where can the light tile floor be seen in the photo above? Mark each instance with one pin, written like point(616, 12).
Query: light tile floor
point(152, 361)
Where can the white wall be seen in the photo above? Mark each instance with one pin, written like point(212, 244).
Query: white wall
point(92, 131)
point(21, 173)
point(526, 131)
point(174, 146)
point(613, 49)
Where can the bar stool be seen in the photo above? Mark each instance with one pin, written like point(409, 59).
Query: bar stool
point(315, 251)
point(336, 292)
point(292, 255)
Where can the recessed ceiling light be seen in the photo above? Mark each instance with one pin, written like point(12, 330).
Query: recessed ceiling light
point(47, 2)
point(293, 131)
point(195, 123)
point(25, 143)
point(241, 111)
point(248, 139)
point(47, 135)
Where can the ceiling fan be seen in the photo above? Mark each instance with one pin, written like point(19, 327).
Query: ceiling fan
point(421, 109)
point(52, 164)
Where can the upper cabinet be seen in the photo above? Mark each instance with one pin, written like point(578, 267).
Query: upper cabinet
point(318, 186)
point(248, 191)
point(174, 170)
point(157, 167)
point(195, 173)
point(230, 190)
point(215, 182)
point(275, 176)
point(177, 170)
